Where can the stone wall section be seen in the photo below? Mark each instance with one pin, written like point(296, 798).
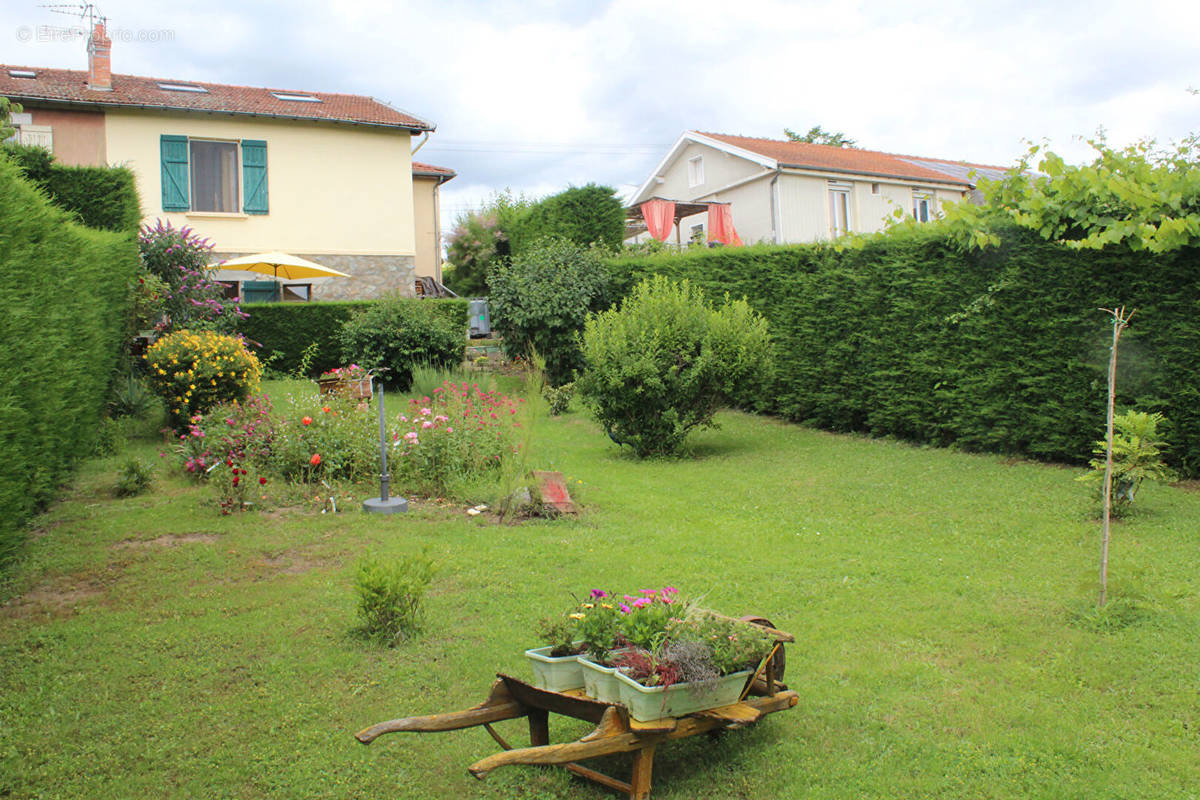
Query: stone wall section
point(373, 276)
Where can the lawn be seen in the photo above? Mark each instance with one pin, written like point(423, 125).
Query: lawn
point(150, 647)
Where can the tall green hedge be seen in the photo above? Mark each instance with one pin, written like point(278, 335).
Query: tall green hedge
point(63, 295)
point(1002, 350)
point(289, 328)
point(99, 197)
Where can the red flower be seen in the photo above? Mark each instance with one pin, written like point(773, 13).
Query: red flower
point(306, 421)
point(315, 460)
point(262, 481)
point(325, 409)
point(235, 480)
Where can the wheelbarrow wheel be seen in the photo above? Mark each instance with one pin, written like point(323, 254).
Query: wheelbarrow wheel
point(781, 656)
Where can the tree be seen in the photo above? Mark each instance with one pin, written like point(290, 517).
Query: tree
point(816, 135)
point(7, 107)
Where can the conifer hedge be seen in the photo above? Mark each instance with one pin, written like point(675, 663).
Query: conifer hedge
point(63, 296)
point(289, 328)
point(1001, 350)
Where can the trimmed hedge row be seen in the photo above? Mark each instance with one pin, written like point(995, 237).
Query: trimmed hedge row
point(101, 197)
point(63, 296)
point(289, 328)
point(1002, 350)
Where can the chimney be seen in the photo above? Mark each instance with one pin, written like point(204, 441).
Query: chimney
point(99, 60)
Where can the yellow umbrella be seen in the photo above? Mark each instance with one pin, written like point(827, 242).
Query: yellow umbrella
point(282, 265)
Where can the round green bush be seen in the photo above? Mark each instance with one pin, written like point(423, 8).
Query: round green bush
point(541, 300)
point(666, 360)
point(398, 333)
point(194, 371)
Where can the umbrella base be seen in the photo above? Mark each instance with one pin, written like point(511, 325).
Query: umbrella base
point(393, 505)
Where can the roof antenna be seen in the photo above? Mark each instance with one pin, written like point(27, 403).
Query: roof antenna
point(80, 10)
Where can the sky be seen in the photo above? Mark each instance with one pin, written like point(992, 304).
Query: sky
point(533, 96)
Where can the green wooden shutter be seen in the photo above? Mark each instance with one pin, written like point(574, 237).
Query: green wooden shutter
point(254, 176)
point(174, 152)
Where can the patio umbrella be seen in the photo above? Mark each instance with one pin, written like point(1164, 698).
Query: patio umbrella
point(282, 265)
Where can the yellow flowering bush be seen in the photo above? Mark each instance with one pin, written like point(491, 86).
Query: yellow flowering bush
point(194, 371)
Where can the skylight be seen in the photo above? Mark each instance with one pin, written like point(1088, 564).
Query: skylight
point(182, 87)
point(22, 73)
point(296, 98)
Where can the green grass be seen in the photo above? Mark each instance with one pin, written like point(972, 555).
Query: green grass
point(942, 603)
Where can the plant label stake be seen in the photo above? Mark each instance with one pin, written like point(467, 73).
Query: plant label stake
point(1120, 322)
point(384, 504)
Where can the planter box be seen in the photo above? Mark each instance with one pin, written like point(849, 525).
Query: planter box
point(355, 389)
point(647, 703)
point(600, 682)
point(554, 674)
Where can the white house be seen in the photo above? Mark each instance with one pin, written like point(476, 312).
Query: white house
point(790, 192)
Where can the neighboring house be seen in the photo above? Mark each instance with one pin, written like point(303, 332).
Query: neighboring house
point(783, 192)
point(329, 177)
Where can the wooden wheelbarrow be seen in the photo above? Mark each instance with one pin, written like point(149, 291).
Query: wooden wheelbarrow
point(615, 732)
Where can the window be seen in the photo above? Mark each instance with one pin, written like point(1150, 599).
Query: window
point(214, 176)
point(295, 98)
point(696, 171)
point(839, 208)
point(874, 188)
point(922, 205)
point(182, 87)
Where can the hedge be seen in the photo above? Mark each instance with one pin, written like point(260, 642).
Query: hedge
point(289, 328)
point(98, 197)
point(64, 291)
point(1001, 350)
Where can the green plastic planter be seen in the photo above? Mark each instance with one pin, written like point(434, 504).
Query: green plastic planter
point(647, 703)
point(554, 674)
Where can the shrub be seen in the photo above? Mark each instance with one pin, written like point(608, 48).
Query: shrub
point(540, 302)
point(98, 197)
point(63, 301)
point(1137, 456)
point(558, 398)
point(663, 363)
point(194, 371)
point(395, 334)
point(134, 478)
point(390, 598)
point(180, 258)
point(237, 432)
point(447, 440)
point(584, 215)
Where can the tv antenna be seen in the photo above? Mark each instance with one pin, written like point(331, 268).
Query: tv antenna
point(80, 10)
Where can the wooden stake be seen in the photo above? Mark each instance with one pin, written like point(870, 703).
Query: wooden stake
point(1120, 322)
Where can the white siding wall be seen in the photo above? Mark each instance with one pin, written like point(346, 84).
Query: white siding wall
point(804, 208)
point(720, 169)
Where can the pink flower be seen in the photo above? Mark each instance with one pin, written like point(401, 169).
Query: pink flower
point(642, 602)
point(426, 424)
point(449, 430)
point(411, 436)
point(425, 412)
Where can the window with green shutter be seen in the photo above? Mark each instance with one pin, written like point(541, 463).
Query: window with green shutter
point(254, 176)
point(193, 179)
point(174, 152)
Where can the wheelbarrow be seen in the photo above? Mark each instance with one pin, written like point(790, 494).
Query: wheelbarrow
point(615, 732)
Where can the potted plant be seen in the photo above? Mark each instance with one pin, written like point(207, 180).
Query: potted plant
point(352, 381)
point(555, 664)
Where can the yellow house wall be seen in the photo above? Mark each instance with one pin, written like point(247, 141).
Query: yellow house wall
point(425, 220)
point(332, 189)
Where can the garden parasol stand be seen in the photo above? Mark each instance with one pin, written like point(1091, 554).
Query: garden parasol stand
point(384, 504)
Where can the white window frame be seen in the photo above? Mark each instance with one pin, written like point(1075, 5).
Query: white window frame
point(695, 171)
point(841, 210)
point(237, 175)
point(922, 197)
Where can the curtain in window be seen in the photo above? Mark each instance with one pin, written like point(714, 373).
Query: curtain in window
point(660, 217)
point(214, 176)
point(720, 225)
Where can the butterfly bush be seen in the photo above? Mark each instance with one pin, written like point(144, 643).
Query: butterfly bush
point(459, 433)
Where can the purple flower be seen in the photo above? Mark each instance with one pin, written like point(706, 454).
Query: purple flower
point(625, 609)
point(642, 602)
point(598, 593)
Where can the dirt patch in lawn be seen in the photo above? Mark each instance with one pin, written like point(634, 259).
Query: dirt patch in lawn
point(168, 540)
point(289, 562)
point(56, 599)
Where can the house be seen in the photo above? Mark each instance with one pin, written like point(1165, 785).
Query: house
point(790, 192)
point(329, 177)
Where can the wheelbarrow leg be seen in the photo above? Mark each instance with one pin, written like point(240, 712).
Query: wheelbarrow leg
point(643, 763)
point(539, 727)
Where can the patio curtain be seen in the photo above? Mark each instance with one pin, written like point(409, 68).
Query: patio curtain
point(660, 217)
point(720, 225)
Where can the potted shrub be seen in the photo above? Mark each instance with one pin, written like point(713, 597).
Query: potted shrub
point(555, 664)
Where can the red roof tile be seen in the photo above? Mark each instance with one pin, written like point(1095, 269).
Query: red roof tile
point(804, 155)
point(69, 86)
point(420, 168)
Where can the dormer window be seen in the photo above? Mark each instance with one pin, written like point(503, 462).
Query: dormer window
point(22, 73)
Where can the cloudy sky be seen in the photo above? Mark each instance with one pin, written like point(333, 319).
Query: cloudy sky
point(535, 95)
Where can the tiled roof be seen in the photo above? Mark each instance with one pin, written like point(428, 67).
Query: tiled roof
point(445, 173)
point(803, 155)
point(69, 86)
